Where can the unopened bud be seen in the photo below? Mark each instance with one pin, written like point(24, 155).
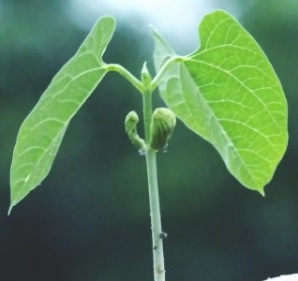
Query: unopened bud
point(145, 75)
point(131, 122)
point(162, 126)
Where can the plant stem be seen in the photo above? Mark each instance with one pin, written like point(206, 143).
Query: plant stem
point(155, 82)
point(146, 87)
point(157, 241)
point(126, 74)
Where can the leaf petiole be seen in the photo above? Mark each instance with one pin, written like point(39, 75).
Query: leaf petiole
point(156, 80)
point(135, 81)
point(126, 74)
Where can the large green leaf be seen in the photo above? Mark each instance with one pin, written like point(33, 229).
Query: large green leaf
point(42, 131)
point(228, 93)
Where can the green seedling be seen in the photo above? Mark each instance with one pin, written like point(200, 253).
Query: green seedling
point(226, 92)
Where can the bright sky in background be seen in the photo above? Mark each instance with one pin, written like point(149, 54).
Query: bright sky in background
point(176, 20)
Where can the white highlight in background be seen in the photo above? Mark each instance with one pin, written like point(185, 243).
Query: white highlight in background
point(176, 20)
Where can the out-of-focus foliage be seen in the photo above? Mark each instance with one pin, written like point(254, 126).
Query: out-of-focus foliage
point(94, 225)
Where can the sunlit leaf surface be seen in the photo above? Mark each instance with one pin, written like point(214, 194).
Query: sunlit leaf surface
point(228, 93)
point(42, 131)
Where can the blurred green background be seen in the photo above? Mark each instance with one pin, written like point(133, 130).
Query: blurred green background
point(89, 220)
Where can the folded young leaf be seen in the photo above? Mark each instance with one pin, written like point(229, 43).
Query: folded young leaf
point(228, 93)
point(41, 133)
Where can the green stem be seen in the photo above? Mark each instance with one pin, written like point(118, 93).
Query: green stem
point(126, 74)
point(157, 241)
point(155, 82)
point(147, 113)
point(146, 87)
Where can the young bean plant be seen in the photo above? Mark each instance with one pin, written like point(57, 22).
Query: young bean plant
point(226, 92)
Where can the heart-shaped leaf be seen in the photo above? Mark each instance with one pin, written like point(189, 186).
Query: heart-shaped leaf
point(228, 93)
point(41, 133)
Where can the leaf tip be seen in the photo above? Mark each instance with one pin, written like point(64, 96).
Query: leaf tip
point(108, 18)
point(154, 32)
point(262, 192)
point(218, 12)
point(12, 204)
